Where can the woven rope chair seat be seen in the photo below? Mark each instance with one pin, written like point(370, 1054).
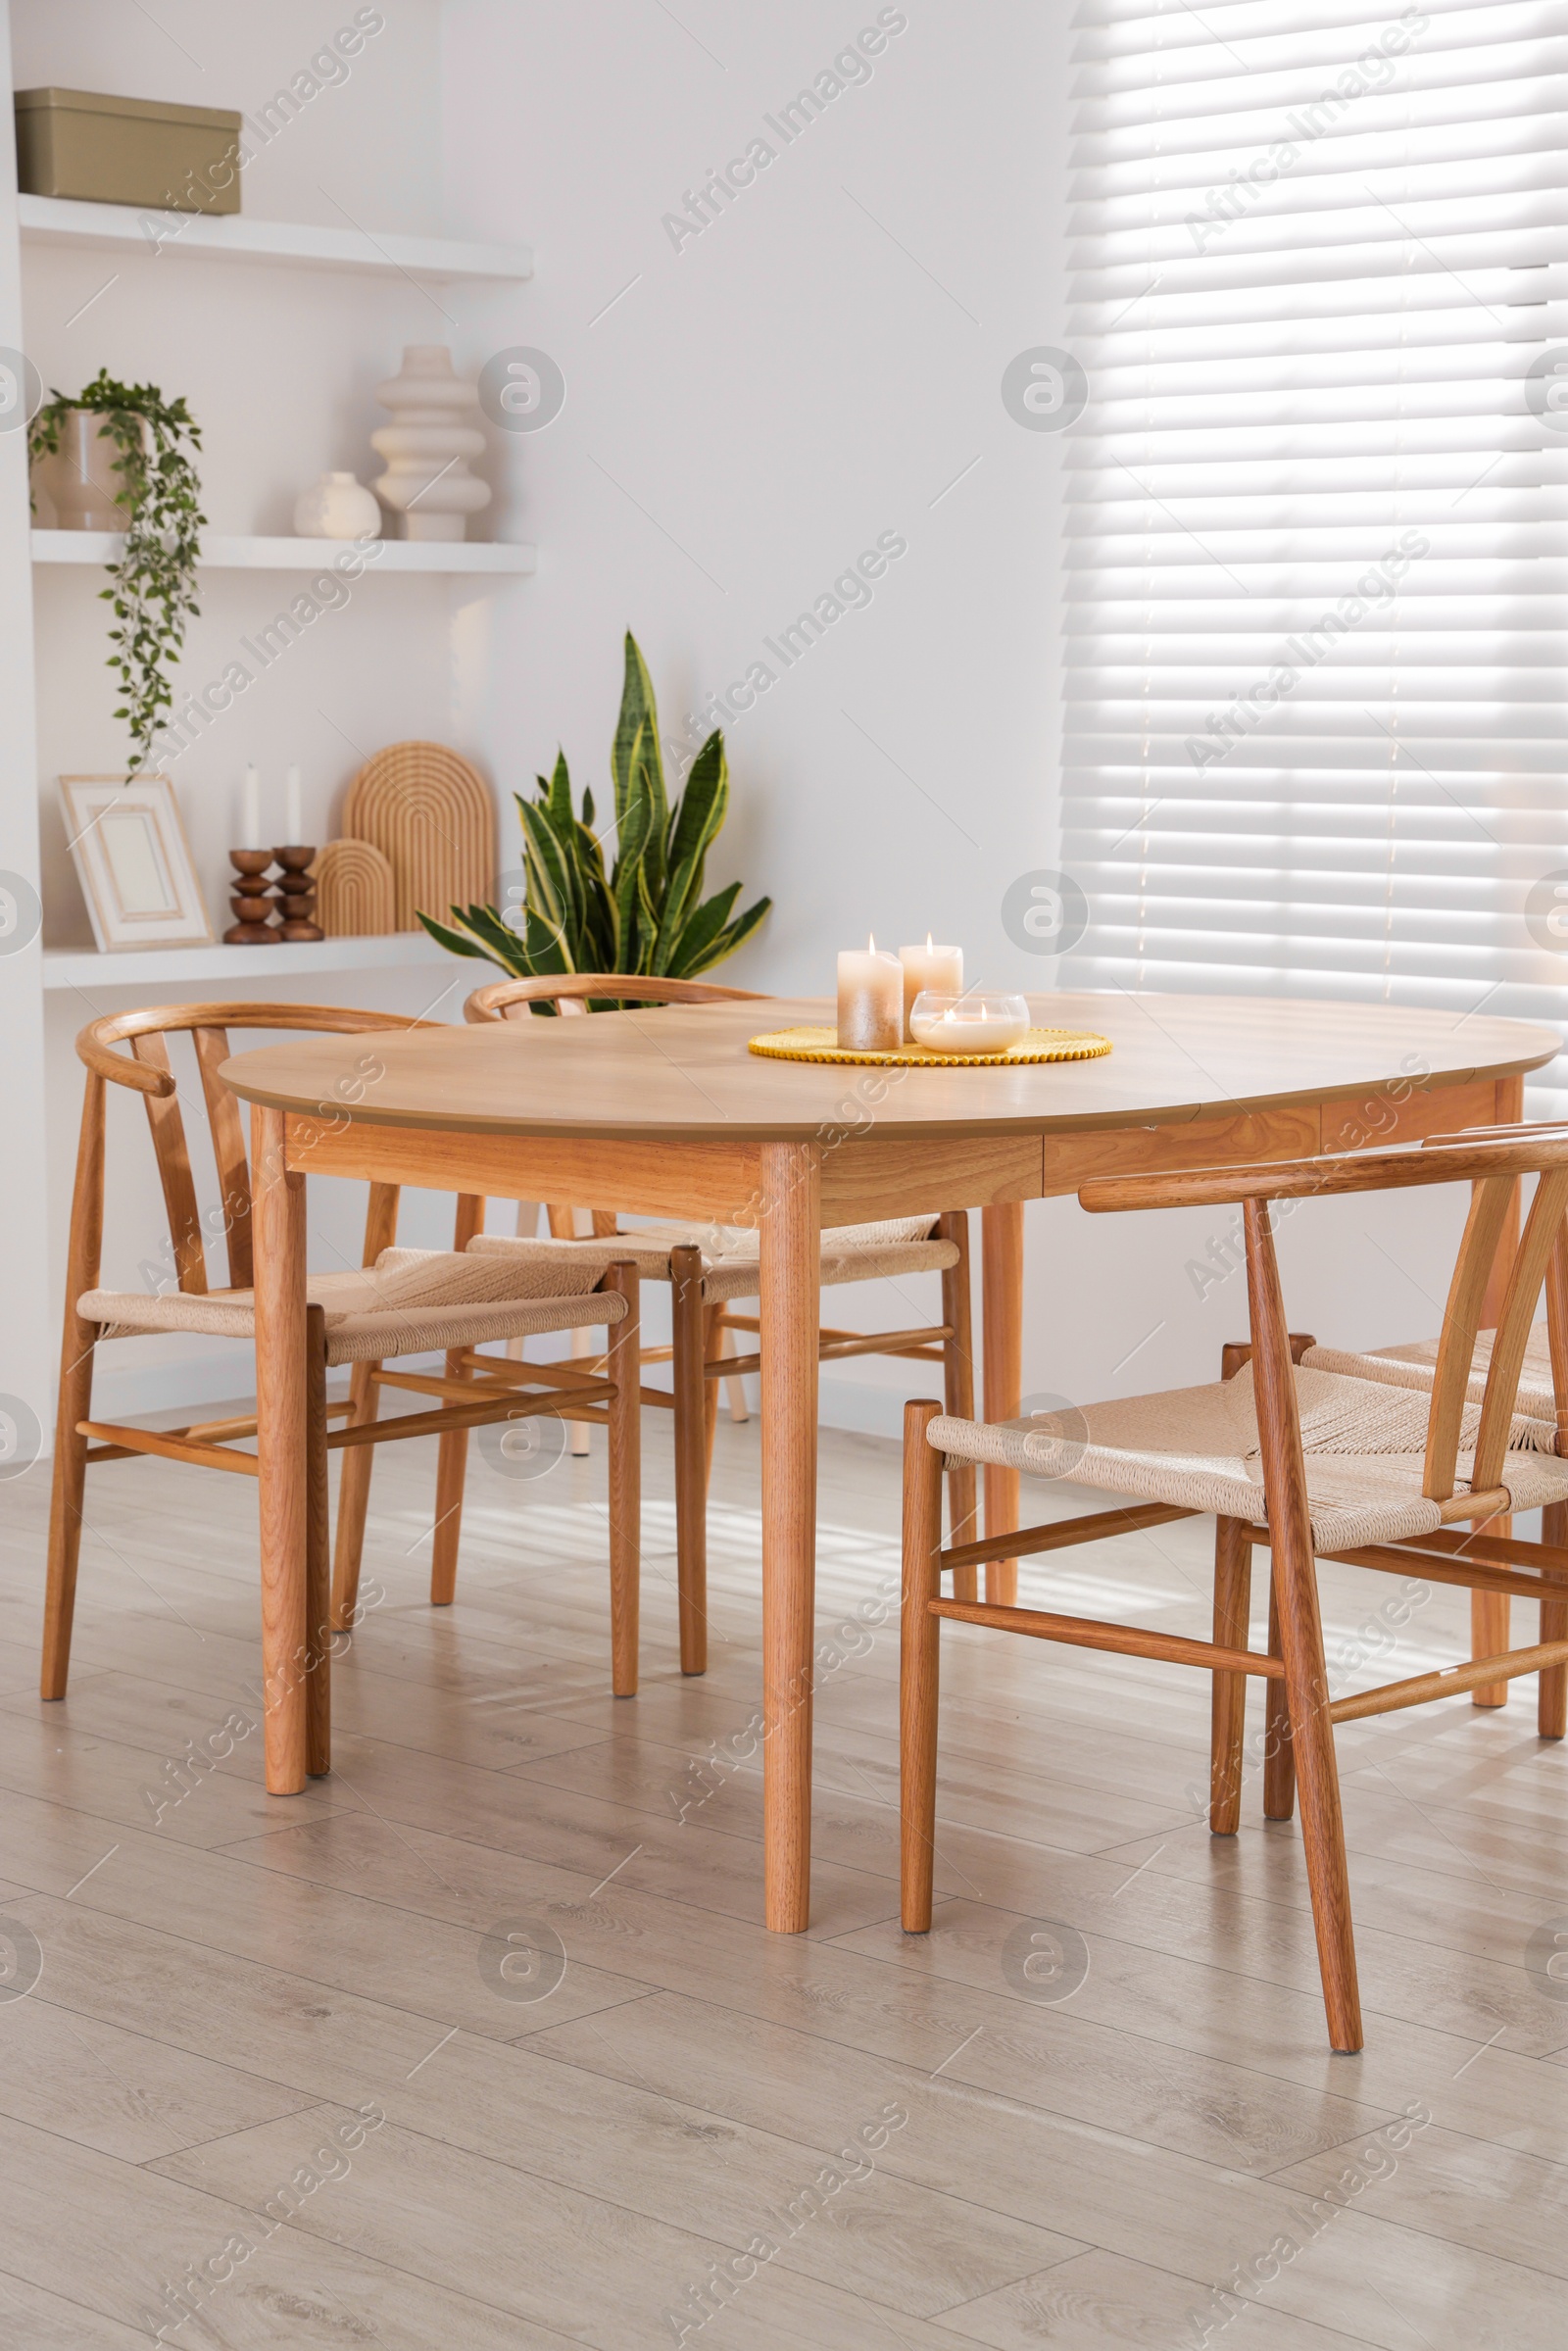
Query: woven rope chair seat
point(852, 1253)
point(1198, 1448)
point(1414, 1365)
point(411, 1301)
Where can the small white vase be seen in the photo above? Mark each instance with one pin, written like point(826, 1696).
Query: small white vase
point(428, 444)
point(337, 507)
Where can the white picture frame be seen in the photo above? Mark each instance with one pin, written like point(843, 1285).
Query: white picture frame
point(133, 863)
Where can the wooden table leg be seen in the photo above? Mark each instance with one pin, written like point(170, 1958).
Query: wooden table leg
point(1002, 1361)
point(277, 1224)
point(688, 1325)
point(1489, 1610)
point(791, 1220)
point(957, 1391)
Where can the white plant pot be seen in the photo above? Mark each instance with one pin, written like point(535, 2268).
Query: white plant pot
point(337, 507)
point(428, 444)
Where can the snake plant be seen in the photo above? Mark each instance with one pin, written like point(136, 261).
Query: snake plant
point(647, 913)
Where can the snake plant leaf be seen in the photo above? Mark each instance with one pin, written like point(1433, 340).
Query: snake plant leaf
point(734, 934)
point(703, 808)
point(631, 844)
point(554, 799)
point(699, 931)
point(551, 879)
point(454, 940)
point(633, 763)
point(647, 922)
point(497, 936)
point(709, 936)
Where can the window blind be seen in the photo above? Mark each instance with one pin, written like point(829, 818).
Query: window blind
point(1318, 580)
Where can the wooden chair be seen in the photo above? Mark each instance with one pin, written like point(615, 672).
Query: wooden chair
point(709, 1268)
point(1305, 1462)
point(404, 1301)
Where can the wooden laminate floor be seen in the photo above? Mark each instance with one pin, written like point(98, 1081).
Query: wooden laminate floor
point(282, 2079)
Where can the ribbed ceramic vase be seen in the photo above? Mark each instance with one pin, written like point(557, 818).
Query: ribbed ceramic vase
point(428, 444)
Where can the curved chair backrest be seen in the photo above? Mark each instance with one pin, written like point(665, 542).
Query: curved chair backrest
point(1492, 1161)
point(146, 1069)
point(580, 990)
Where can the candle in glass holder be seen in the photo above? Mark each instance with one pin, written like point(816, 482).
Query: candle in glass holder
point(928, 966)
point(871, 1000)
point(968, 1024)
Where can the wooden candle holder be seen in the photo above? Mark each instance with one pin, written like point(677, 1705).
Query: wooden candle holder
point(294, 893)
point(249, 902)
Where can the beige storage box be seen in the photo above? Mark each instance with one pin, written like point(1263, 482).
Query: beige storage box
point(106, 150)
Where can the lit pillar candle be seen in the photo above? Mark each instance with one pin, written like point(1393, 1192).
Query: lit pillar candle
point(293, 814)
point(871, 1000)
point(250, 810)
point(930, 967)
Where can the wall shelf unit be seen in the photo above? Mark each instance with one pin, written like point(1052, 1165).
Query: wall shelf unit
point(220, 554)
point(277, 341)
point(124, 229)
point(262, 968)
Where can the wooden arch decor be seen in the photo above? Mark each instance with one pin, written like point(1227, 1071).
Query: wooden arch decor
point(431, 815)
point(355, 894)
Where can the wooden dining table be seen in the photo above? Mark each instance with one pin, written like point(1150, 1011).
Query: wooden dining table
point(664, 1113)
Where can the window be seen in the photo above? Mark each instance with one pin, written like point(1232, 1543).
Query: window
point(1317, 525)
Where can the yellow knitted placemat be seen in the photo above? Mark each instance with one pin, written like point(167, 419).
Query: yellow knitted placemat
point(1036, 1044)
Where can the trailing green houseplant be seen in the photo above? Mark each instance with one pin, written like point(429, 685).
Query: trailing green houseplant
point(152, 586)
point(647, 914)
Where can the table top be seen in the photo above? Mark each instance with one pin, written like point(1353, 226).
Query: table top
point(682, 1072)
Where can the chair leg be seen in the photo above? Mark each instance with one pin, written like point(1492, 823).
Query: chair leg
point(1322, 1825)
point(687, 1335)
point(65, 1509)
point(451, 1476)
point(1306, 1679)
point(1279, 1759)
point(451, 1451)
point(77, 1342)
point(364, 1402)
point(1551, 1700)
point(624, 1365)
point(1233, 1591)
point(317, 1554)
point(918, 1655)
point(1002, 1353)
point(354, 1498)
point(716, 1344)
point(957, 1391)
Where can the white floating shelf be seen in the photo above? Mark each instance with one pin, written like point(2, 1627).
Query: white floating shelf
point(300, 554)
point(262, 966)
point(124, 230)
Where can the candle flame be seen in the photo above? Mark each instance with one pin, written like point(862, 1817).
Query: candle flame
point(870, 943)
point(928, 943)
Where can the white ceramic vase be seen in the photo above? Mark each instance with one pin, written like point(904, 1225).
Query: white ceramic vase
point(428, 444)
point(337, 507)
